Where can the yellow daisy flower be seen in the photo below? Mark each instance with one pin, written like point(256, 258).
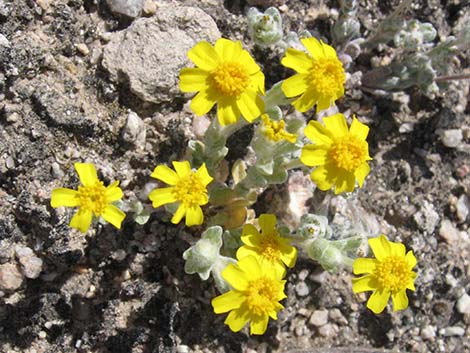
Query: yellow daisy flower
point(227, 75)
point(257, 290)
point(92, 198)
point(320, 76)
point(339, 154)
point(389, 274)
point(275, 130)
point(268, 246)
point(188, 188)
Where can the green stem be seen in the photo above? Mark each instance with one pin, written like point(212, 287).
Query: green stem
point(295, 163)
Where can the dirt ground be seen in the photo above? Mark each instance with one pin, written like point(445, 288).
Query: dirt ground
point(67, 94)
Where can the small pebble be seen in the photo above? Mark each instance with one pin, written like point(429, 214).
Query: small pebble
point(452, 331)
point(319, 318)
point(462, 207)
point(336, 315)
point(302, 289)
point(448, 232)
point(10, 277)
point(451, 138)
point(463, 304)
point(328, 330)
point(82, 48)
point(428, 333)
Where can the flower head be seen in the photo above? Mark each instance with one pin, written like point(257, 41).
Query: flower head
point(268, 246)
point(389, 274)
point(320, 76)
point(227, 75)
point(92, 198)
point(257, 290)
point(188, 188)
point(275, 130)
point(339, 154)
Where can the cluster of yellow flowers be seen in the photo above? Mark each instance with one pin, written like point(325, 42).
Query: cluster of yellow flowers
point(228, 76)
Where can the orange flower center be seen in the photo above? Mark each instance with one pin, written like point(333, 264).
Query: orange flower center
point(393, 273)
point(230, 79)
point(93, 197)
point(327, 76)
point(262, 295)
point(190, 190)
point(348, 153)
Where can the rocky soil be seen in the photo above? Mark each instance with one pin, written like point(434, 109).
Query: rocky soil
point(96, 81)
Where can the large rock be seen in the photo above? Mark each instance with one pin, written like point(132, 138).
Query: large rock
point(130, 8)
point(149, 54)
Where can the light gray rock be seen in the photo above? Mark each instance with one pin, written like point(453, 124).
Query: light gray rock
point(149, 54)
point(301, 289)
point(319, 318)
point(129, 8)
point(4, 42)
point(462, 207)
point(452, 331)
point(134, 130)
point(451, 138)
point(31, 265)
point(426, 218)
point(448, 232)
point(463, 304)
point(428, 333)
point(10, 277)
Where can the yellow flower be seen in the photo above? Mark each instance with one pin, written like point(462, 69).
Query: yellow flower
point(257, 290)
point(92, 198)
point(269, 246)
point(340, 154)
point(389, 274)
point(188, 188)
point(227, 75)
point(320, 76)
point(275, 130)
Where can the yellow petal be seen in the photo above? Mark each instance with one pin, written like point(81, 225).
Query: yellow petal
point(86, 173)
point(250, 266)
point(248, 63)
point(361, 172)
point(397, 249)
point(324, 176)
point(345, 182)
point(336, 124)
point(203, 175)
point(113, 192)
point(324, 102)
point(227, 301)
point(297, 60)
point(193, 79)
point(235, 276)
point(81, 220)
point(411, 259)
point(182, 168)
point(259, 325)
point(257, 82)
point(227, 112)
point(194, 216)
point(318, 134)
point(314, 47)
point(162, 196)
point(328, 50)
point(306, 101)
point(380, 247)
point(411, 285)
point(399, 300)
point(250, 235)
point(250, 104)
point(228, 50)
point(364, 284)
point(203, 102)
point(179, 214)
point(236, 319)
point(113, 215)
point(165, 174)
point(244, 251)
point(295, 85)
point(363, 265)
point(314, 155)
point(267, 223)
point(204, 56)
point(378, 301)
point(359, 129)
point(289, 255)
point(64, 197)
